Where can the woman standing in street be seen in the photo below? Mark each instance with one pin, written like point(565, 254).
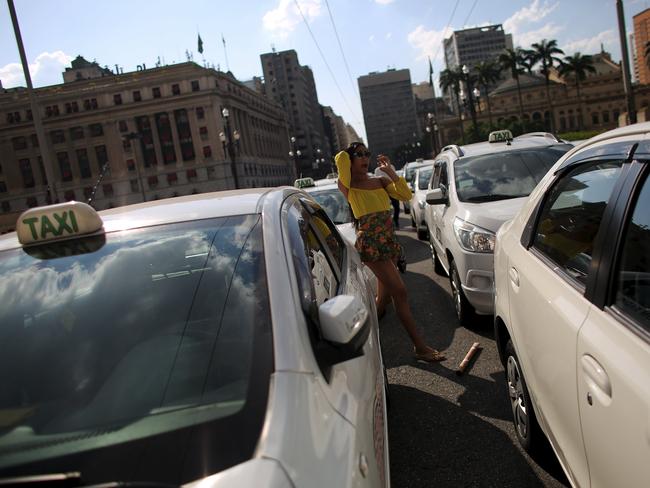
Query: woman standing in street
point(369, 198)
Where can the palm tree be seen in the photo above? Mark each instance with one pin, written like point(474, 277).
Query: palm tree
point(513, 59)
point(577, 65)
point(544, 53)
point(450, 79)
point(527, 60)
point(487, 72)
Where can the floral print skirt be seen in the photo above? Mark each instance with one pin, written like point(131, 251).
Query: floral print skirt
point(376, 240)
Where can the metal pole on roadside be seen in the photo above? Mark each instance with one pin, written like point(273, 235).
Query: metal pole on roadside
point(36, 114)
point(627, 85)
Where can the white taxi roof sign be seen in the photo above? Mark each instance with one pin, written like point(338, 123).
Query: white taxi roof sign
point(55, 222)
point(500, 136)
point(304, 182)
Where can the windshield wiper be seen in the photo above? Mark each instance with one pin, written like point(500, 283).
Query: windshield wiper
point(491, 197)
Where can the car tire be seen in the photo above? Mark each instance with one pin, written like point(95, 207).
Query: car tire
point(464, 310)
point(437, 264)
point(529, 434)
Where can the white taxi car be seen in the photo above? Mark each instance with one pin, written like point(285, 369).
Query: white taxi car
point(418, 199)
point(572, 311)
point(214, 340)
point(474, 189)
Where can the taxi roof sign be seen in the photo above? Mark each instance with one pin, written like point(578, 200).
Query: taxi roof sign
point(55, 222)
point(500, 136)
point(304, 182)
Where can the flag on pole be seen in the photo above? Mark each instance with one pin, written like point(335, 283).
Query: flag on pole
point(200, 44)
point(223, 40)
point(430, 73)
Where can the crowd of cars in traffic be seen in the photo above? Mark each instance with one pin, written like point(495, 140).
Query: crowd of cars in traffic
point(242, 324)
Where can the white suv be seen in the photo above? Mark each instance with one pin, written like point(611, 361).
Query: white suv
point(474, 189)
point(572, 311)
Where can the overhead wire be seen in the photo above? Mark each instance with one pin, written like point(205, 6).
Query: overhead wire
point(325, 60)
point(470, 13)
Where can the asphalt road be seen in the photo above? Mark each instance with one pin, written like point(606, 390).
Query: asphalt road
point(447, 430)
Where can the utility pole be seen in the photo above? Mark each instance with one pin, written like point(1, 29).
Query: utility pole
point(627, 85)
point(36, 114)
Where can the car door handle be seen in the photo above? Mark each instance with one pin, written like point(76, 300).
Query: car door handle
point(514, 276)
point(596, 375)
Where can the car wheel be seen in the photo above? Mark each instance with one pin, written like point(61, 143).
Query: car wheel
point(437, 265)
point(464, 311)
point(529, 434)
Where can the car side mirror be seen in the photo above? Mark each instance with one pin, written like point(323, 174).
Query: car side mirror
point(345, 326)
point(437, 197)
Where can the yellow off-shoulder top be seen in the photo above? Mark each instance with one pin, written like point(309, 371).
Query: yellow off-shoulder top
point(363, 201)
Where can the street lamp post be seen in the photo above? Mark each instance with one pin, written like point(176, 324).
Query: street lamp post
point(295, 154)
point(230, 143)
point(431, 129)
point(477, 96)
point(470, 94)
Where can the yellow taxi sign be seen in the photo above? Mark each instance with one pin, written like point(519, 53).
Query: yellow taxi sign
point(500, 136)
point(304, 182)
point(55, 222)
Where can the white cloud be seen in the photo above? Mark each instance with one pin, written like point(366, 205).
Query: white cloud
point(372, 38)
point(591, 45)
point(384, 2)
point(428, 43)
point(389, 35)
point(547, 31)
point(46, 69)
point(523, 24)
point(282, 20)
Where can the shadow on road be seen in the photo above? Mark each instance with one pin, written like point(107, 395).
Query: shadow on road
point(426, 445)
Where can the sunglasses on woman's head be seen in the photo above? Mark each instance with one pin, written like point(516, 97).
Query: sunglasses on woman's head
point(362, 154)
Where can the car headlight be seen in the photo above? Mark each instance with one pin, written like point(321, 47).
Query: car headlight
point(473, 238)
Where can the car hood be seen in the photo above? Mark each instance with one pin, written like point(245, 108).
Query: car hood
point(490, 215)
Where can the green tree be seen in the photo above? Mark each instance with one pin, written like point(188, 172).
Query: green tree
point(450, 79)
point(577, 66)
point(545, 54)
point(487, 72)
point(512, 60)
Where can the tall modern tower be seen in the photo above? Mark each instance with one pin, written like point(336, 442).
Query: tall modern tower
point(293, 86)
point(471, 46)
point(388, 111)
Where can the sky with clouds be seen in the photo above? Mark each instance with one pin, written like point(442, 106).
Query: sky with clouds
point(339, 39)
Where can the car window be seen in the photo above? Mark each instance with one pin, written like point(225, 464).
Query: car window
point(334, 204)
point(503, 175)
point(132, 337)
point(424, 175)
point(633, 275)
point(571, 215)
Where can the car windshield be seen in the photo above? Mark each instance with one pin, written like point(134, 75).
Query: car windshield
point(424, 175)
point(503, 175)
point(334, 203)
point(130, 339)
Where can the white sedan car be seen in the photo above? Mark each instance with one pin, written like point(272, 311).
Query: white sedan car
point(215, 340)
point(572, 311)
point(418, 203)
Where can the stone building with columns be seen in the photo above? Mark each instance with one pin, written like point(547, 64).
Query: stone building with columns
point(154, 133)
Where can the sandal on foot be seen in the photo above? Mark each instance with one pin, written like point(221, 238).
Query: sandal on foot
point(430, 356)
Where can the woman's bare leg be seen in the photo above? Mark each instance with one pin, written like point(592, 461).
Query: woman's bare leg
point(390, 281)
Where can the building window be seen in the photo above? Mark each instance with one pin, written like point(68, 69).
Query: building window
point(137, 97)
point(123, 126)
point(31, 202)
point(156, 92)
point(203, 131)
point(108, 189)
point(184, 134)
point(29, 113)
point(58, 136)
point(64, 166)
point(3, 187)
point(146, 141)
point(19, 142)
point(605, 117)
point(212, 174)
point(195, 85)
point(88, 192)
point(191, 174)
point(176, 89)
point(594, 118)
point(6, 207)
point(166, 139)
point(130, 164)
point(172, 178)
point(69, 195)
point(207, 152)
point(126, 144)
point(84, 163)
point(74, 106)
point(76, 133)
point(96, 130)
point(117, 99)
point(200, 114)
point(153, 181)
point(102, 156)
point(135, 186)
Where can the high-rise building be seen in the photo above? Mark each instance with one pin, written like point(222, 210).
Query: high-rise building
point(150, 134)
point(292, 85)
point(471, 46)
point(641, 37)
point(389, 112)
